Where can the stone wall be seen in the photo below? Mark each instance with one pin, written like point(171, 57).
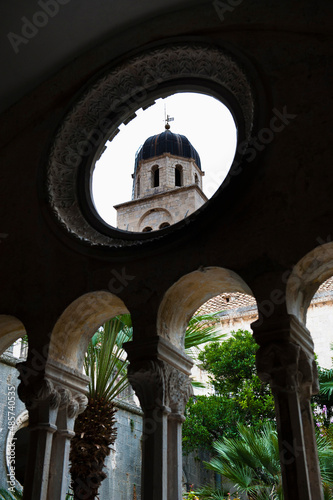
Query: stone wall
point(154, 210)
point(166, 164)
point(124, 462)
point(165, 203)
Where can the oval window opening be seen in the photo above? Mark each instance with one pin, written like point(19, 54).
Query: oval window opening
point(164, 164)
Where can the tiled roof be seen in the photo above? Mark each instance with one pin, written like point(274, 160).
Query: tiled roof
point(229, 303)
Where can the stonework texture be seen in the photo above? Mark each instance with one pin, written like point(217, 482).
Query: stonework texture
point(164, 203)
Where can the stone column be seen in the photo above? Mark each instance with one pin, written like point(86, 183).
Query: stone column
point(179, 391)
point(42, 402)
point(71, 387)
point(285, 359)
point(155, 366)
point(48, 400)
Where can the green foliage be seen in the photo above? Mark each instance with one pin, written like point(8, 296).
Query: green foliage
point(232, 369)
point(200, 330)
point(204, 422)
point(106, 365)
point(324, 437)
point(241, 396)
point(105, 362)
point(322, 403)
point(6, 495)
point(250, 461)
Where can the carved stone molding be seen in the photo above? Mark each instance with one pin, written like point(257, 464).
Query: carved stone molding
point(57, 392)
point(148, 381)
point(38, 389)
point(158, 385)
point(287, 368)
point(113, 99)
point(179, 390)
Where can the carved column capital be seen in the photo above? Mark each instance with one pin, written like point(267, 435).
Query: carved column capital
point(61, 389)
point(288, 368)
point(277, 363)
point(39, 388)
point(158, 372)
point(285, 357)
point(179, 389)
point(147, 378)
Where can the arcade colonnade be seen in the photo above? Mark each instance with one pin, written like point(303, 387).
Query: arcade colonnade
point(72, 82)
point(53, 386)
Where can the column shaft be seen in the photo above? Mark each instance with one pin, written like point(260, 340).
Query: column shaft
point(175, 456)
point(58, 477)
point(42, 427)
point(154, 455)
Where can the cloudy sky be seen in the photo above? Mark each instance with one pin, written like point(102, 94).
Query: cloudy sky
point(205, 121)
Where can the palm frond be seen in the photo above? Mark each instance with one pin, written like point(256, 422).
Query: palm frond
point(201, 329)
point(6, 495)
point(105, 362)
point(327, 387)
point(250, 462)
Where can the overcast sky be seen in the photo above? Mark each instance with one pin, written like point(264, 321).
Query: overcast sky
point(205, 121)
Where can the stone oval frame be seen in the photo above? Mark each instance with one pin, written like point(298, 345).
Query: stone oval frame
point(113, 100)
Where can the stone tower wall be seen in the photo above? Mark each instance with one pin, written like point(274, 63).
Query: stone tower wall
point(166, 164)
point(170, 206)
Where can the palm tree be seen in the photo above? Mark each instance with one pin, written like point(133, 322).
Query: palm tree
point(105, 364)
point(251, 462)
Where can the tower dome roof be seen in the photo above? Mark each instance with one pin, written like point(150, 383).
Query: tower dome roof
point(167, 142)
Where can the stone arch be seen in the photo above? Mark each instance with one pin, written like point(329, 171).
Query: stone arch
point(185, 296)
point(154, 217)
point(78, 323)
point(306, 277)
point(11, 329)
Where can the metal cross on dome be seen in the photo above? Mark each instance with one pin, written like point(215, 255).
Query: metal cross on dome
point(167, 118)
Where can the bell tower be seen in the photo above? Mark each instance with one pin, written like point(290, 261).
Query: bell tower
point(167, 184)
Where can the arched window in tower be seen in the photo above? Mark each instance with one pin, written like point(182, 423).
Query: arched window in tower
point(196, 179)
point(155, 176)
point(138, 186)
point(164, 224)
point(178, 175)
